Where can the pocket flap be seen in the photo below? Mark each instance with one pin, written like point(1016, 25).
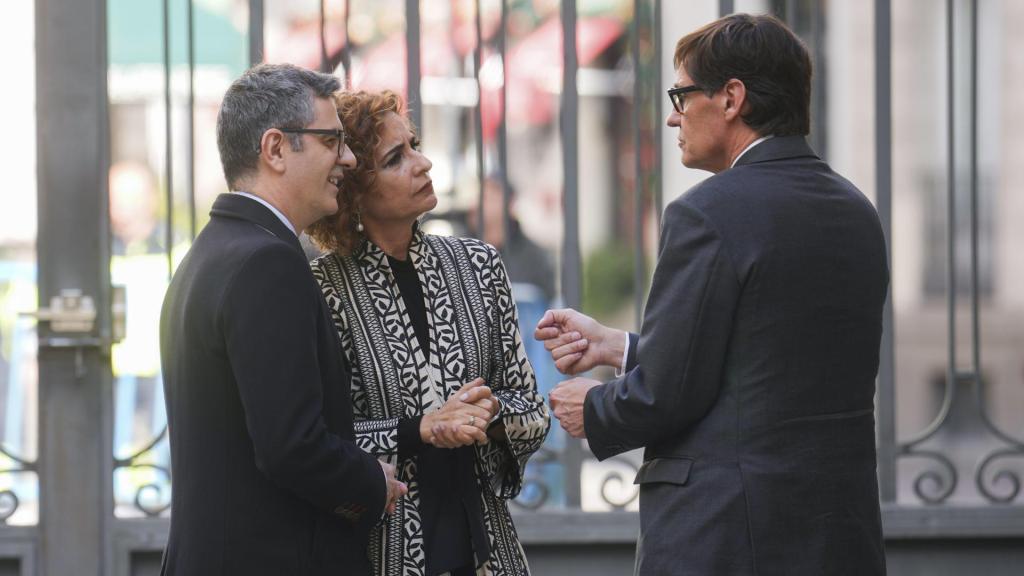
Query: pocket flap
point(666, 470)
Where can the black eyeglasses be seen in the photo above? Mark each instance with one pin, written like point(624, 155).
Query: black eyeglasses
point(336, 133)
point(678, 95)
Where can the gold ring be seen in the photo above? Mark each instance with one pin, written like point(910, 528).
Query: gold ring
point(472, 420)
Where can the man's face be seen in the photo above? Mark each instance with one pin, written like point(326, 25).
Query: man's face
point(701, 126)
point(314, 171)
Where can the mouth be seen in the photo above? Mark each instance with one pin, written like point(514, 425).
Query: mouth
point(335, 180)
point(427, 188)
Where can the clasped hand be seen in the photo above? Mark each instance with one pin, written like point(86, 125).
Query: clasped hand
point(463, 419)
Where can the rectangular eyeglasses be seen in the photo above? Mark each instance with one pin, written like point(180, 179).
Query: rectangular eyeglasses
point(678, 95)
point(337, 133)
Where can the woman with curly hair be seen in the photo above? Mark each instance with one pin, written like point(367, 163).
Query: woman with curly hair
point(441, 386)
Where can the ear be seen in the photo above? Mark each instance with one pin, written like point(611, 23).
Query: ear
point(272, 150)
point(735, 98)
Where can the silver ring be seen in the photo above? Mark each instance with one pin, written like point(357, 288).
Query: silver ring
point(472, 420)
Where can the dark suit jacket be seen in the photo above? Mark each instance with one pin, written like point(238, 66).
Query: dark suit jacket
point(752, 390)
point(266, 476)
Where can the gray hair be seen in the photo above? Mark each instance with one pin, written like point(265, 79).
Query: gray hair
point(266, 96)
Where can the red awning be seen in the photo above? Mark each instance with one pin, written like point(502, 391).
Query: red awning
point(535, 69)
point(534, 63)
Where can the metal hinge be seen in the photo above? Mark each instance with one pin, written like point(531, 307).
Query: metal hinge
point(68, 312)
point(73, 316)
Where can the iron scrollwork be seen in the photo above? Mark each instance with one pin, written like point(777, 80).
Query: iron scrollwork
point(931, 486)
point(149, 498)
point(982, 479)
point(621, 483)
point(1000, 486)
point(536, 492)
point(9, 501)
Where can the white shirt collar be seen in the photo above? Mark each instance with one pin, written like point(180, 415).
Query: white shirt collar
point(749, 146)
point(276, 212)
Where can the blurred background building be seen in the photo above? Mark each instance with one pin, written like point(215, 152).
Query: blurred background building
point(560, 158)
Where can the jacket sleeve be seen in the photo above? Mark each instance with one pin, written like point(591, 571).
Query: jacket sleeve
point(269, 319)
point(523, 416)
point(682, 346)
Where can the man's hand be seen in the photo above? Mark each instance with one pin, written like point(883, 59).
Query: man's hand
point(396, 489)
point(463, 419)
point(567, 404)
point(578, 343)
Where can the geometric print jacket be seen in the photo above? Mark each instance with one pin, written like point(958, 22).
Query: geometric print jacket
point(474, 332)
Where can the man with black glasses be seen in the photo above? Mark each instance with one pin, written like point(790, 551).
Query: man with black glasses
point(267, 476)
point(751, 384)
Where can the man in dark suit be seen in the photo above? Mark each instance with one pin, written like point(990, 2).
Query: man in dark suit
point(751, 383)
point(267, 477)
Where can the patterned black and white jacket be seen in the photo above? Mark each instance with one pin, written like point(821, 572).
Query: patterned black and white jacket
point(474, 332)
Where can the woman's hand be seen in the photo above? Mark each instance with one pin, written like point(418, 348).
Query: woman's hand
point(463, 419)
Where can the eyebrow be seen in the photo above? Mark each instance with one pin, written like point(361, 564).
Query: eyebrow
point(384, 156)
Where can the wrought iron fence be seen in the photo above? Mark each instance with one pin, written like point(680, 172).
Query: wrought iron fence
point(556, 474)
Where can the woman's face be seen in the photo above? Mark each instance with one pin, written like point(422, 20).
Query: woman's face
point(402, 190)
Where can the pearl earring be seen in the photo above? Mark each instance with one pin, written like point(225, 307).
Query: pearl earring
point(359, 222)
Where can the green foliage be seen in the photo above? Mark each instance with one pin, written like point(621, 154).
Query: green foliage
point(608, 281)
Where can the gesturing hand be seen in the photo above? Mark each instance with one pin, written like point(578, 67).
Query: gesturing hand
point(577, 342)
point(463, 419)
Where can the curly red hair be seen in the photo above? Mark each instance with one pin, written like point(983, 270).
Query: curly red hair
point(362, 114)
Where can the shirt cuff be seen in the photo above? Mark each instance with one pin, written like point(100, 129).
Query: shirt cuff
point(625, 354)
point(409, 440)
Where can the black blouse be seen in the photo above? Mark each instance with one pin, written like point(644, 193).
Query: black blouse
point(449, 496)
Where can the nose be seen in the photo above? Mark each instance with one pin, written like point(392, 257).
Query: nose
point(674, 118)
point(424, 164)
point(347, 159)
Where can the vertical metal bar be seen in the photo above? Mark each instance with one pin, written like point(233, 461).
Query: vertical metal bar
point(820, 78)
point(951, 287)
point(725, 7)
point(479, 124)
point(506, 190)
point(975, 313)
point(191, 122)
point(638, 177)
point(346, 50)
point(883, 186)
point(572, 266)
point(168, 139)
point(75, 441)
point(255, 32)
point(323, 37)
point(412, 62)
point(659, 103)
point(569, 125)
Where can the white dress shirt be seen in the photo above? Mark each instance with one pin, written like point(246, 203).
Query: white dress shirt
point(276, 212)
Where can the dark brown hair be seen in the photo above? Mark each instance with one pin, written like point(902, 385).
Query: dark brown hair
point(766, 56)
point(363, 115)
